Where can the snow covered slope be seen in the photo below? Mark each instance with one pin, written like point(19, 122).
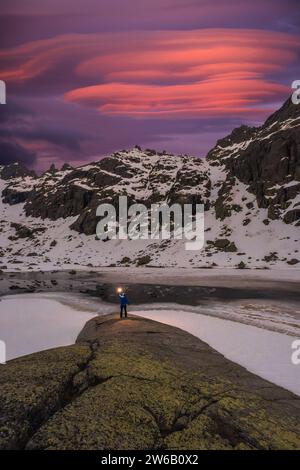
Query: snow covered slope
point(249, 184)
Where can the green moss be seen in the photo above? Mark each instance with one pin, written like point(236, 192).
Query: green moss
point(32, 387)
point(124, 397)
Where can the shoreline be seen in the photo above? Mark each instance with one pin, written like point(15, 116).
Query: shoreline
point(225, 273)
point(232, 334)
point(239, 299)
point(263, 283)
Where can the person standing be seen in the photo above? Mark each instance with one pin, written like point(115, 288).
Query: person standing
point(123, 304)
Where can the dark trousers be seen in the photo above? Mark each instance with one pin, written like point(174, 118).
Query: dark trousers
point(123, 308)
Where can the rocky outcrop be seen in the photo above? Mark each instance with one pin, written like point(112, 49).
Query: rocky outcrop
point(14, 196)
point(223, 244)
point(138, 384)
point(267, 159)
point(144, 176)
point(21, 231)
point(15, 170)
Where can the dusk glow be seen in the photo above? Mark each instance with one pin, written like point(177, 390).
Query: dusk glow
point(87, 78)
point(149, 230)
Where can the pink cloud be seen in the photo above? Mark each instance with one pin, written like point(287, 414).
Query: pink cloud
point(193, 73)
point(210, 98)
point(207, 72)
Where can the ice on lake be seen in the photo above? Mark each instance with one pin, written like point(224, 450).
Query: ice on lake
point(265, 353)
point(35, 322)
point(30, 323)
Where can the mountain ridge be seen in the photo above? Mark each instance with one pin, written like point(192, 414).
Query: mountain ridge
point(249, 184)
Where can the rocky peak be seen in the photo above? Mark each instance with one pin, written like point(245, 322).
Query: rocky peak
point(239, 135)
point(52, 169)
point(66, 166)
point(288, 111)
point(267, 159)
point(144, 176)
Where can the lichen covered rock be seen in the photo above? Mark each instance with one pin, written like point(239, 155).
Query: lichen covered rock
point(138, 384)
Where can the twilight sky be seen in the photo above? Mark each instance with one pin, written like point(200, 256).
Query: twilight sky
point(88, 77)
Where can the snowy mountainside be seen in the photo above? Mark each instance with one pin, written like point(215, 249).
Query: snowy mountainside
point(267, 160)
point(249, 184)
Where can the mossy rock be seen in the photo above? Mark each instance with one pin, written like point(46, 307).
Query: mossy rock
point(32, 388)
point(138, 384)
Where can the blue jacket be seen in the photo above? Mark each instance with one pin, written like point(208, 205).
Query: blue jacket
point(123, 300)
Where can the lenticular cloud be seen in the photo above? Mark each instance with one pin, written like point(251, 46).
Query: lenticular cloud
point(208, 72)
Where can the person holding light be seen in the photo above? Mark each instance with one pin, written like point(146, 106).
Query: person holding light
point(123, 303)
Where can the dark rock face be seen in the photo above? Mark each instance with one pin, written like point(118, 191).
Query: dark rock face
point(21, 231)
point(137, 384)
point(145, 177)
point(237, 136)
point(66, 166)
point(292, 216)
point(12, 196)
point(15, 170)
point(64, 204)
point(267, 159)
point(190, 186)
point(225, 245)
point(86, 222)
point(223, 204)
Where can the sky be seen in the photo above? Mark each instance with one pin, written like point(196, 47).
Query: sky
point(85, 78)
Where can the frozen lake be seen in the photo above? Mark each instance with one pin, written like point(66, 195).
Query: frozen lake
point(34, 322)
point(263, 352)
point(29, 323)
